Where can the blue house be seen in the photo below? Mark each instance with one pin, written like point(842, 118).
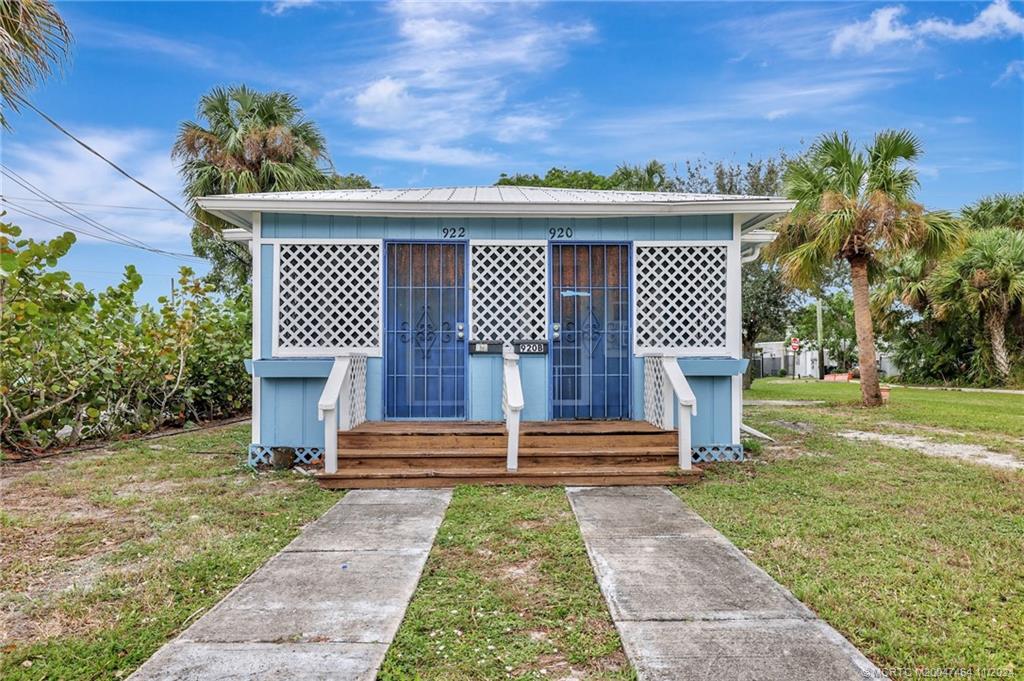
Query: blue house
point(497, 334)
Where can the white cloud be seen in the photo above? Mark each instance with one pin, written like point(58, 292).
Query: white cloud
point(885, 26)
point(1014, 71)
point(524, 127)
point(430, 153)
point(69, 173)
point(447, 83)
point(279, 7)
point(115, 36)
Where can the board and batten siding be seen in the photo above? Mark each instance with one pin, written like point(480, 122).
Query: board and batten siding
point(290, 390)
point(648, 228)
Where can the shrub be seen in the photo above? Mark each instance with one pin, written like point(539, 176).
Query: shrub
point(76, 365)
point(782, 373)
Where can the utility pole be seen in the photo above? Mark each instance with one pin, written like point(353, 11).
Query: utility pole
point(821, 348)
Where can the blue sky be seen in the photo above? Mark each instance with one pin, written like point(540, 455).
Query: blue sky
point(439, 94)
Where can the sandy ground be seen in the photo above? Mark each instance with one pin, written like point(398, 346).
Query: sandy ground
point(972, 453)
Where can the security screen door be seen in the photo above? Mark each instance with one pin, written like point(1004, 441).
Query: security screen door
point(425, 331)
point(590, 335)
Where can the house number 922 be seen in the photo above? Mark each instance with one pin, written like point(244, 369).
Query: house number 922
point(453, 232)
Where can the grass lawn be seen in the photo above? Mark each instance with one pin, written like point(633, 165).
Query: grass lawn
point(998, 413)
point(918, 560)
point(507, 592)
point(106, 555)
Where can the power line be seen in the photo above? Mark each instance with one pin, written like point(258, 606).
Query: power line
point(124, 238)
point(79, 230)
point(97, 205)
point(73, 212)
point(58, 126)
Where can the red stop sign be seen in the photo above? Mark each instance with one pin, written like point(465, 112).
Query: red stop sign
point(794, 343)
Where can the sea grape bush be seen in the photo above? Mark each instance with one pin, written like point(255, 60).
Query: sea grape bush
point(77, 365)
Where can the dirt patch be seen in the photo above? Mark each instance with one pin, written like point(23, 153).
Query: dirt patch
point(524, 573)
point(532, 524)
point(795, 426)
point(147, 487)
point(965, 452)
point(785, 453)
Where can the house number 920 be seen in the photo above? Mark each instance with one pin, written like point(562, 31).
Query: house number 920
point(560, 233)
point(453, 232)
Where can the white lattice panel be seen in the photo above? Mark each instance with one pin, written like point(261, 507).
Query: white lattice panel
point(508, 292)
point(328, 298)
point(356, 393)
point(654, 393)
point(680, 297)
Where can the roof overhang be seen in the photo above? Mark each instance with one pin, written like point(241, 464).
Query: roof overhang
point(239, 210)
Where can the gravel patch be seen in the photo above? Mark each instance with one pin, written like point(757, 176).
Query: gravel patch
point(972, 453)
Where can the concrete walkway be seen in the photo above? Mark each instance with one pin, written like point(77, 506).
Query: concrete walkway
point(326, 607)
point(689, 605)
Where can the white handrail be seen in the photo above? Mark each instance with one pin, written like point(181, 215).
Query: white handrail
point(511, 404)
point(344, 394)
point(663, 372)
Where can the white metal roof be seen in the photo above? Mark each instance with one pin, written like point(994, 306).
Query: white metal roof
point(489, 201)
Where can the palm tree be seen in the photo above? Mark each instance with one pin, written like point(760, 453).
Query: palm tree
point(987, 277)
point(856, 205)
point(248, 142)
point(33, 39)
point(998, 210)
point(648, 178)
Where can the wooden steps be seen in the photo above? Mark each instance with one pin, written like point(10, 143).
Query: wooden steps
point(442, 454)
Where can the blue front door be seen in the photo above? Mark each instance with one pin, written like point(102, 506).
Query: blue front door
point(425, 331)
point(591, 354)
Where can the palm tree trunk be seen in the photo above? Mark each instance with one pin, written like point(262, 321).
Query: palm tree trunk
point(869, 390)
point(995, 327)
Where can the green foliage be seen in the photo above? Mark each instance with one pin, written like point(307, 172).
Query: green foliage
point(651, 177)
point(928, 350)
point(855, 204)
point(839, 333)
point(998, 210)
point(957, 318)
point(767, 303)
point(248, 142)
point(758, 177)
point(79, 365)
point(35, 40)
point(985, 279)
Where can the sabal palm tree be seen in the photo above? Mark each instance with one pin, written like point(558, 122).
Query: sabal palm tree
point(902, 288)
point(651, 177)
point(248, 141)
point(998, 210)
point(987, 277)
point(856, 205)
point(33, 40)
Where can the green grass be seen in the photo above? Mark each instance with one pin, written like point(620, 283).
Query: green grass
point(998, 413)
point(108, 555)
point(507, 592)
point(916, 559)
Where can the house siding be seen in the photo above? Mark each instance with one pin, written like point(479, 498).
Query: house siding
point(290, 388)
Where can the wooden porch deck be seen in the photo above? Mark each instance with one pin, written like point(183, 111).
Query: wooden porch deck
point(383, 454)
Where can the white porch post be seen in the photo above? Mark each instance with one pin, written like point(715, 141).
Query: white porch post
point(330, 440)
point(683, 422)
